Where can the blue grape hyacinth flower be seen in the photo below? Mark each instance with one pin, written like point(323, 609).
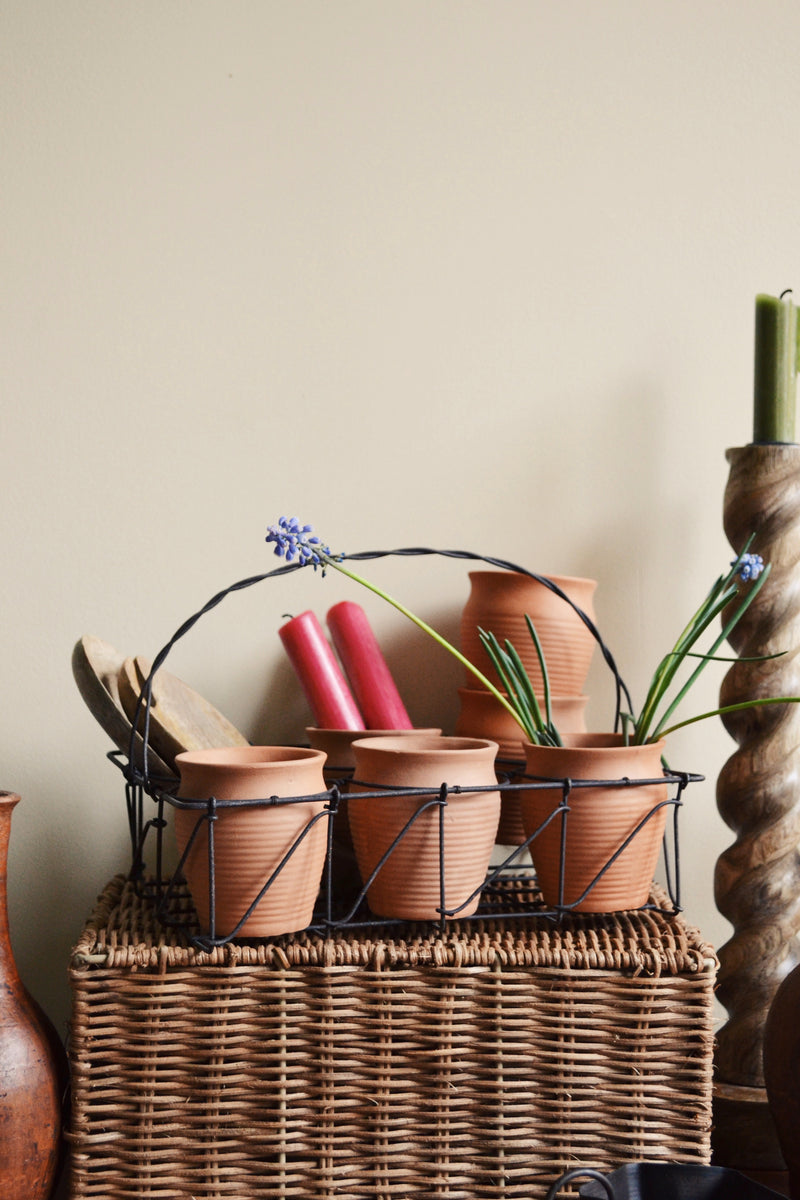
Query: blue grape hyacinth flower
point(291, 539)
point(750, 567)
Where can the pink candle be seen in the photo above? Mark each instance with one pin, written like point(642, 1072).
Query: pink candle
point(366, 669)
point(324, 684)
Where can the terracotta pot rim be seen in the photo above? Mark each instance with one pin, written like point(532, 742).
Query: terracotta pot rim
point(469, 691)
point(561, 580)
point(594, 742)
point(249, 758)
point(363, 734)
point(439, 745)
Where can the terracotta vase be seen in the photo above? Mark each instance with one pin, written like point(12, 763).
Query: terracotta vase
point(32, 1068)
point(408, 884)
point(599, 822)
point(482, 716)
point(498, 602)
point(251, 841)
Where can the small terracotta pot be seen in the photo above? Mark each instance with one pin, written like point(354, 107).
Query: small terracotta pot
point(482, 716)
point(598, 823)
point(337, 745)
point(498, 602)
point(251, 841)
point(408, 883)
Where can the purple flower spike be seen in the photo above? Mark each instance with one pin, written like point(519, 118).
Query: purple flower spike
point(293, 540)
point(750, 567)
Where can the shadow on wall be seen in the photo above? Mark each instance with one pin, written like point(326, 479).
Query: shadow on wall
point(427, 676)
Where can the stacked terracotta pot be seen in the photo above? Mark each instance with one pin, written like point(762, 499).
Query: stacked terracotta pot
point(497, 603)
point(596, 817)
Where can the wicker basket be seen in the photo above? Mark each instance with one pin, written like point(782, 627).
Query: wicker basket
point(479, 1063)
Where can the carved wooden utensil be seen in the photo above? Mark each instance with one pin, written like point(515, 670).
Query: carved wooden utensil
point(180, 718)
point(95, 667)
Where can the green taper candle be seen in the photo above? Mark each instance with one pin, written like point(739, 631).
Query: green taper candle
point(776, 363)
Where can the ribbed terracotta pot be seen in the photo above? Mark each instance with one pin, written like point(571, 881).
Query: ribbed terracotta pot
point(482, 716)
point(408, 883)
point(339, 762)
point(250, 841)
point(599, 821)
point(498, 602)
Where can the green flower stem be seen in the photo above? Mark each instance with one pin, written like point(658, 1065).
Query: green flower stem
point(543, 668)
point(717, 600)
point(714, 604)
point(729, 708)
point(709, 657)
point(437, 637)
point(528, 718)
point(718, 597)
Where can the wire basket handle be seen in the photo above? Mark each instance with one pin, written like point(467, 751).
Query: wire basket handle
point(142, 713)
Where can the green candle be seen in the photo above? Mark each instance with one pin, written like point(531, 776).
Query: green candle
point(776, 361)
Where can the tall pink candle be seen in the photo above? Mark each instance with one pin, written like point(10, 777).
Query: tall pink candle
point(319, 673)
point(366, 669)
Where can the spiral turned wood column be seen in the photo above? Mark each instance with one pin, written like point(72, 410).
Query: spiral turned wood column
point(757, 879)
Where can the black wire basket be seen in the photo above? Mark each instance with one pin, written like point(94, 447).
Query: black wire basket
point(508, 891)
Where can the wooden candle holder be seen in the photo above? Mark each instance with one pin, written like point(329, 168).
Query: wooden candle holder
point(757, 879)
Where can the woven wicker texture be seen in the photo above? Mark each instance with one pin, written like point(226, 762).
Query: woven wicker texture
point(478, 1064)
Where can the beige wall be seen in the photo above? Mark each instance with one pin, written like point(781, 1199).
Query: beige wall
point(454, 274)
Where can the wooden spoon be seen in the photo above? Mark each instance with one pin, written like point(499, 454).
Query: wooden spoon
point(180, 718)
point(95, 667)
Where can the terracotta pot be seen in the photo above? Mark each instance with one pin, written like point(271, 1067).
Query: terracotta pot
point(498, 602)
point(598, 823)
point(32, 1068)
point(408, 883)
point(337, 745)
point(250, 842)
point(482, 716)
